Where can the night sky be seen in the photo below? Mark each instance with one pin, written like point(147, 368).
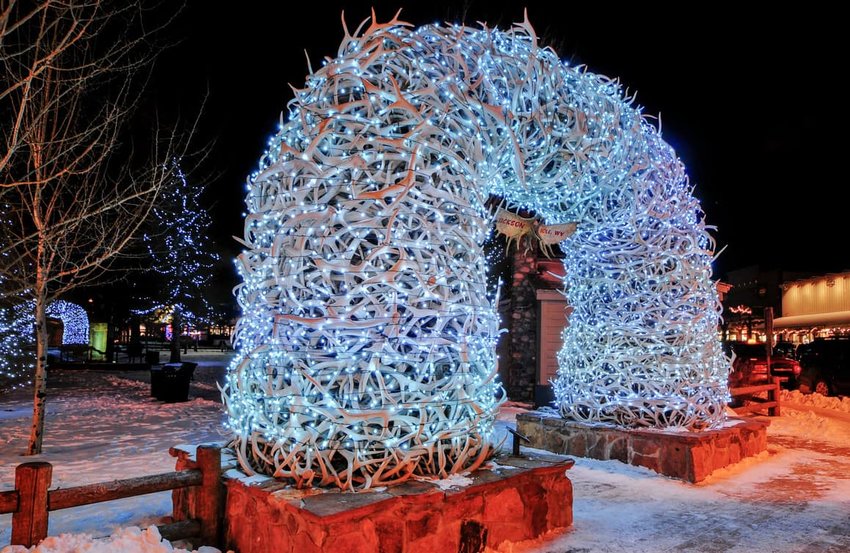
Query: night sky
point(750, 101)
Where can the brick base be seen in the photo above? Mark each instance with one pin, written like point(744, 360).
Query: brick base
point(510, 504)
point(689, 456)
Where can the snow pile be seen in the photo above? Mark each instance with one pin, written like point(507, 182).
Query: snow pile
point(125, 540)
point(841, 404)
point(810, 425)
point(125, 383)
point(813, 417)
point(452, 481)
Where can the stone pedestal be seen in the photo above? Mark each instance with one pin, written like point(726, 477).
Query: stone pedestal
point(689, 456)
point(521, 499)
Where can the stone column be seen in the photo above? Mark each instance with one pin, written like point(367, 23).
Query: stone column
point(522, 326)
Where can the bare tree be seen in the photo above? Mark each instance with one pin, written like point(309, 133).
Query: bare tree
point(75, 191)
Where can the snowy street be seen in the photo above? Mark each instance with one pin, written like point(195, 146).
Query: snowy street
point(103, 425)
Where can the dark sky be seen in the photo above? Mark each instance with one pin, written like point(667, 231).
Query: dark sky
point(751, 101)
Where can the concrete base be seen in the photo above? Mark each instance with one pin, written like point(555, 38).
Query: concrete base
point(520, 499)
point(689, 456)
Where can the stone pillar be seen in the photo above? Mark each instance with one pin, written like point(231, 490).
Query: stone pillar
point(522, 326)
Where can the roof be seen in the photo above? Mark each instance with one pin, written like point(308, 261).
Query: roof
point(814, 319)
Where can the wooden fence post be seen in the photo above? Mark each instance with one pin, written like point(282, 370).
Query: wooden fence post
point(209, 499)
point(29, 523)
point(773, 395)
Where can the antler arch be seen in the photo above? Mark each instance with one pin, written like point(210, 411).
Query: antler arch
point(366, 348)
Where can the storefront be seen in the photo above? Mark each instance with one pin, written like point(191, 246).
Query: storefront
point(816, 307)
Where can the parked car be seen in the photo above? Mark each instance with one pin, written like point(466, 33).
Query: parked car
point(785, 349)
point(825, 367)
point(749, 366)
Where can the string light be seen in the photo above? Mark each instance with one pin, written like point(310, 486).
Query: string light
point(17, 338)
point(75, 321)
point(16, 363)
point(183, 258)
point(366, 349)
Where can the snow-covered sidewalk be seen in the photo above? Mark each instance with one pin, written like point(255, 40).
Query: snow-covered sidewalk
point(794, 497)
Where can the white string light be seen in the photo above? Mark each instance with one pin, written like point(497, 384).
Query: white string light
point(75, 321)
point(17, 337)
point(15, 362)
point(366, 345)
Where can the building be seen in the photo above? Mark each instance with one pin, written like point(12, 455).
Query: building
point(815, 307)
point(745, 295)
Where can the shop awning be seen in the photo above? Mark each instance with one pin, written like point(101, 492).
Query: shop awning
point(817, 319)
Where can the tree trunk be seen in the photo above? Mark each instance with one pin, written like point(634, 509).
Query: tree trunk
point(40, 379)
point(176, 331)
point(110, 340)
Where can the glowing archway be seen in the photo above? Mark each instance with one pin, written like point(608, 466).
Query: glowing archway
point(75, 321)
point(366, 348)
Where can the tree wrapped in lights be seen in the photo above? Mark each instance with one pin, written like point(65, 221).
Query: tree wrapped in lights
point(182, 254)
point(15, 362)
point(366, 346)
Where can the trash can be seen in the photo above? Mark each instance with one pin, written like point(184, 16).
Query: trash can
point(175, 383)
point(152, 357)
point(156, 381)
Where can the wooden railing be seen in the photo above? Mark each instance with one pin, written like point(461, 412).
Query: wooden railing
point(758, 404)
point(32, 500)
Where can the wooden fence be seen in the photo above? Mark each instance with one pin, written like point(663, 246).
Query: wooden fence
point(756, 403)
point(31, 501)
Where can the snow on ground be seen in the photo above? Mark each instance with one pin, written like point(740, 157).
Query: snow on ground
point(794, 497)
point(102, 426)
point(125, 540)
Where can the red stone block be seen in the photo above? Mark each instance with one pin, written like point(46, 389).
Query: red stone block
point(513, 505)
point(735, 452)
point(597, 445)
point(577, 444)
point(650, 462)
point(690, 456)
point(421, 526)
point(618, 448)
point(702, 465)
point(675, 461)
point(647, 446)
point(446, 538)
point(503, 506)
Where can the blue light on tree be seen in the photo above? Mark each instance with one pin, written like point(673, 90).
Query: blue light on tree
point(183, 257)
point(366, 345)
point(16, 362)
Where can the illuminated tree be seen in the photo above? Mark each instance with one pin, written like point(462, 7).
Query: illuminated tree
point(182, 254)
point(15, 362)
point(366, 345)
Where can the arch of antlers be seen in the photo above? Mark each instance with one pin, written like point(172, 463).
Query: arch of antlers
point(366, 349)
